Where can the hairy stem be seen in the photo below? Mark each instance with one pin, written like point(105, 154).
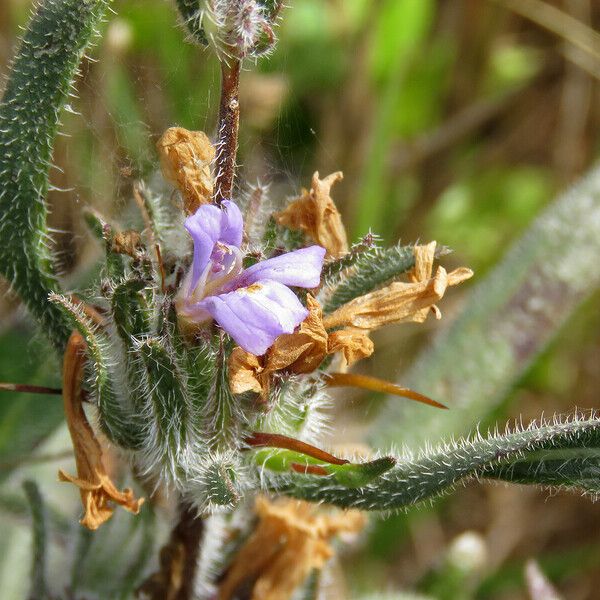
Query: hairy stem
point(178, 559)
point(229, 122)
point(188, 532)
point(564, 455)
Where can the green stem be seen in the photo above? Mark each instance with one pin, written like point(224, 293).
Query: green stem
point(39, 584)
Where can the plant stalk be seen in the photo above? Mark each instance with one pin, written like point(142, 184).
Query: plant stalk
point(228, 127)
point(178, 559)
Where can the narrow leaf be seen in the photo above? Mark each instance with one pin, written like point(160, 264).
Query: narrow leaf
point(167, 408)
point(372, 269)
point(117, 418)
point(350, 475)
point(37, 90)
point(39, 584)
point(565, 454)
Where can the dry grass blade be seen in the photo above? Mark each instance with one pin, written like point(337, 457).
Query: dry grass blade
point(559, 22)
point(31, 389)
point(27, 460)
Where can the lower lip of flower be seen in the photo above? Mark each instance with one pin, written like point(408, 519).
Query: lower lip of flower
point(255, 287)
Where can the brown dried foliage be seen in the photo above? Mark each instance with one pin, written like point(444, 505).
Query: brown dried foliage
point(315, 213)
point(185, 160)
point(291, 539)
point(304, 350)
point(95, 486)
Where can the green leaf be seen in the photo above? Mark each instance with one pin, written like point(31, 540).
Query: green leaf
point(222, 414)
point(370, 270)
point(350, 475)
point(562, 454)
point(37, 90)
point(571, 468)
point(117, 418)
point(130, 310)
point(167, 412)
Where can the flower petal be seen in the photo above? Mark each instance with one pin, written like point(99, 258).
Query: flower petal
point(209, 225)
point(257, 315)
point(232, 224)
point(300, 268)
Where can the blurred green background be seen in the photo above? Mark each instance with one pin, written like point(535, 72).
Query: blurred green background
point(454, 120)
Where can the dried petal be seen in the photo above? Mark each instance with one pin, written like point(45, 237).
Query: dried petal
point(316, 214)
point(185, 159)
point(245, 372)
point(422, 271)
point(127, 242)
point(97, 490)
point(354, 345)
point(304, 350)
point(95, 486)
point(424, 256)
point(396, 303)
point(291, 539)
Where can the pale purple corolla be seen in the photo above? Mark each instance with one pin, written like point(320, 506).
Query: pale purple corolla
point(254, 305)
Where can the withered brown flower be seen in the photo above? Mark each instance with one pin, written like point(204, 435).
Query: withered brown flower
point(95, 486)
point(302, 351)
point(185, 159)
point(299, 352)
point(246, 372)
point(400, 302)
point(291, 539)
point(315, 213)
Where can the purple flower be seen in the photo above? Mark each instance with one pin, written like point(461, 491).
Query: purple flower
point(254, 306)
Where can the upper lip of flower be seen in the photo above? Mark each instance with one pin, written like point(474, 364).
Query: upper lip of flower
point(217, 287)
